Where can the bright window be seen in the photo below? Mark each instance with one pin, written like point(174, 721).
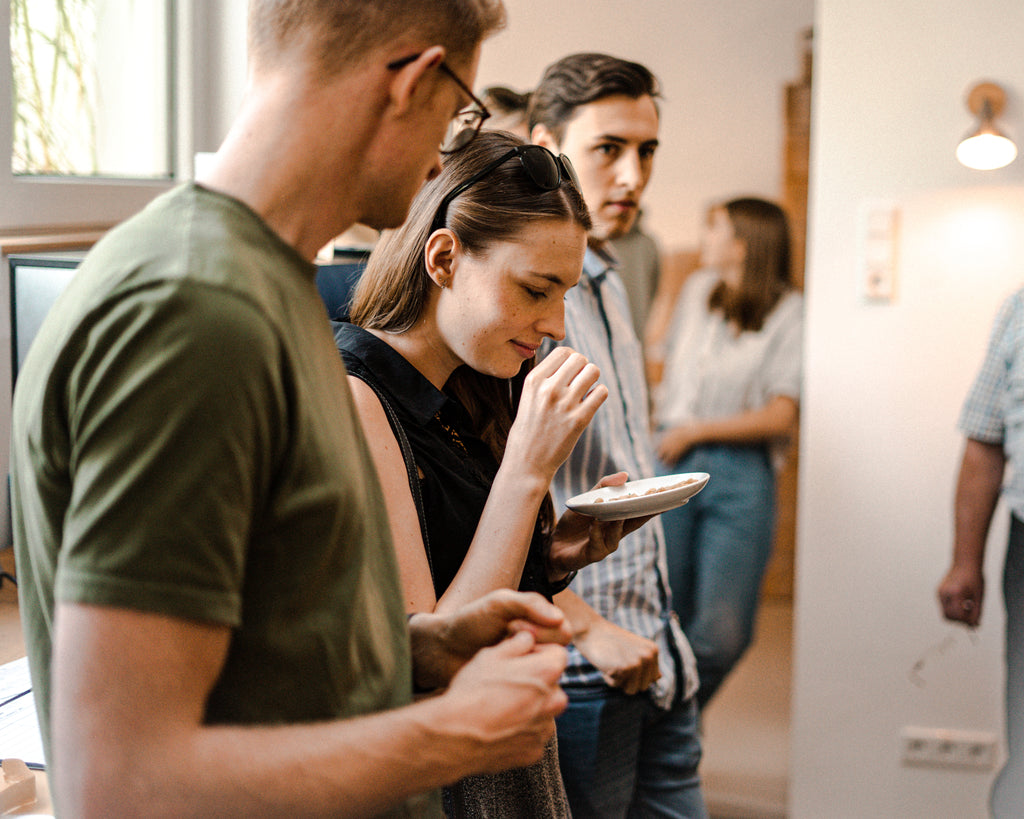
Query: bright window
point(91, 88)
point(97, 105)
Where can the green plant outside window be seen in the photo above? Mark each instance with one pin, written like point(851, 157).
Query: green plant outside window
point(90, 87)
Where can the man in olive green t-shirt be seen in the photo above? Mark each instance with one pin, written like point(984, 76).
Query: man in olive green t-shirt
point(210, 597)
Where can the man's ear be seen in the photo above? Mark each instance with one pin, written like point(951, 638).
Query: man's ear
point(439, 256)
point(410, 78)
point(541, 135)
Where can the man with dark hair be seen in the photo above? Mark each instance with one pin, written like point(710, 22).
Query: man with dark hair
point(628, 743)
point(209, 592)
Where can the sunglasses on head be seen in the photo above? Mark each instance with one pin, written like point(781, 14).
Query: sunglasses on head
point(545, 170)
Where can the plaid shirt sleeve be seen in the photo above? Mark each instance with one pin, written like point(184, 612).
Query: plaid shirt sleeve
point(983, 416)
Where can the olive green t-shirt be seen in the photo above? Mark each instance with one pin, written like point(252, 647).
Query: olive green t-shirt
point(184, 442)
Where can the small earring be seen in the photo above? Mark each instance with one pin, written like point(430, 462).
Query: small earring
point(442, 283)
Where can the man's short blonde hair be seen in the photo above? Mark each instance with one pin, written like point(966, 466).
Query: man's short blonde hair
point(342, 32)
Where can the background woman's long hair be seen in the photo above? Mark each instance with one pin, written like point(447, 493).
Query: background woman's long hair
point(767, 270)
point(392, 292)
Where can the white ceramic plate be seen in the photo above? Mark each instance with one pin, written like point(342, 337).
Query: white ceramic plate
point(634, 499)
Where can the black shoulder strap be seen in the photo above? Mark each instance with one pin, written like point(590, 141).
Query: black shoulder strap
point(411, 469)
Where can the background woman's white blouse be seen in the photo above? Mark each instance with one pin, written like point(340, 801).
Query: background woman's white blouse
point(711, 372)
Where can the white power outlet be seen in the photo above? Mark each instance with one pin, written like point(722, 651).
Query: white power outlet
point(946, 747)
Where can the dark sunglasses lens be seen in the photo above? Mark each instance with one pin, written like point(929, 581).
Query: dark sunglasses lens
point(569, 170)
point(541, 166)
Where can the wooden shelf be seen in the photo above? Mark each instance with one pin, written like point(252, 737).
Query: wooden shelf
point(42, 241)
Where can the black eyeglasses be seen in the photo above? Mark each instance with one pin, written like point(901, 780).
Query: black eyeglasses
point(466, 123)
point(545, 170)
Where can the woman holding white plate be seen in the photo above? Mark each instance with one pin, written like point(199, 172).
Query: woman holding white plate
point(445, 320)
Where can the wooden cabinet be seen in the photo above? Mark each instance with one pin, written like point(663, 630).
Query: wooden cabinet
point(796, 151)
point(778, 582)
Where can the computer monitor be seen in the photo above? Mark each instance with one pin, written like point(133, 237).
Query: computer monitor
point(36, 280)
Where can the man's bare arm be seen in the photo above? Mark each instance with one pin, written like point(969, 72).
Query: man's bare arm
point(626, 661)
point(129, 690)
point(962, 590)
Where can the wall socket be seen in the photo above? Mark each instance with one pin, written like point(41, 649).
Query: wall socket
point(948, 748)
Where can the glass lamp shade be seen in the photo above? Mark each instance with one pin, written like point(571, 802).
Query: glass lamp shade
point(986, 150)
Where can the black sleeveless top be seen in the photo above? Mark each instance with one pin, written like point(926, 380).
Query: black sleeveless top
point(455, 465)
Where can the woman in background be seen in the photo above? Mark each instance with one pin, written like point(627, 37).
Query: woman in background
point(726, 405)
point(508, 110)
point(451, 307)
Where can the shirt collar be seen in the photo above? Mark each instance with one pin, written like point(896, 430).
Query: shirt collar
point(598, 260)
point(409, 386)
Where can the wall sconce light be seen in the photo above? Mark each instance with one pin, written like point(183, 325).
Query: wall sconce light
point(986, 147)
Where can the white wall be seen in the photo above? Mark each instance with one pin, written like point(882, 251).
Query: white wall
point(884, 384)
point(723, 65)
point(222, 27)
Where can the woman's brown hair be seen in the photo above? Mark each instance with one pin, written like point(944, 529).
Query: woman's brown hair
point(764, 230)
point(393, 291)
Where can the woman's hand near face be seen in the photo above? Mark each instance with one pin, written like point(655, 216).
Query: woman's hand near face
point(560, 397)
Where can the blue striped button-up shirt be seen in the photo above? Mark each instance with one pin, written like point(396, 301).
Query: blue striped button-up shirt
point(629, 586)
point(994, 409)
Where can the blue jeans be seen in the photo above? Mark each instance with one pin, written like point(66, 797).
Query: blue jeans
point(1008, 790)
point(718, 547)
point(623, 756)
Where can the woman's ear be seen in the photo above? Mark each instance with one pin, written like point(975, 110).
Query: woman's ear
point(409, 78)
point(439, 255)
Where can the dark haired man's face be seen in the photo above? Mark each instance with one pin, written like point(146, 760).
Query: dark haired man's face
point(611, 142)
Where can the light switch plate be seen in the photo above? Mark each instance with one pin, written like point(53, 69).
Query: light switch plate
point(879, 239)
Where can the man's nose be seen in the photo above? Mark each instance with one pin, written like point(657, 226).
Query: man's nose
point(628, 171)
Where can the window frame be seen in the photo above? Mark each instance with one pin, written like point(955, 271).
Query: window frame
point(33, 204)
